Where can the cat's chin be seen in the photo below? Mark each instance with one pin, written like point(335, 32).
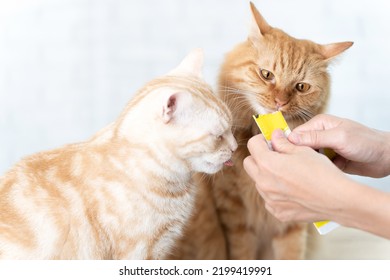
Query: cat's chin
point(212, 168)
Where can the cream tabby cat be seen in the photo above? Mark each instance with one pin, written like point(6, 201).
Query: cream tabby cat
point(270, 71)
point(127, 192)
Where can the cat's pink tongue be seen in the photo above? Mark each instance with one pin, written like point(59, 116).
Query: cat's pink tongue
point(228, 163)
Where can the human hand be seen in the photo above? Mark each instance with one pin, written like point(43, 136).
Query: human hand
point(361, 150)
point(295, 182)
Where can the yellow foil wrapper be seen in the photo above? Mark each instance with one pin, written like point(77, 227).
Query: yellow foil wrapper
point(267, 123)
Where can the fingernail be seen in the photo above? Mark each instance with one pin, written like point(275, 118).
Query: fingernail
point(278, 133)
point(294, 138)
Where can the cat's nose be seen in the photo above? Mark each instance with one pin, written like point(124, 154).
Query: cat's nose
point(280, 102)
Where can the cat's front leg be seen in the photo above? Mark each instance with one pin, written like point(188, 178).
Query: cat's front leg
point(240, 234)
point(241, 241)
point(291, 243)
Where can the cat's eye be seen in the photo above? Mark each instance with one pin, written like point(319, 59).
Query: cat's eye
point(219, 137)
point(267, 75)
point(302, 87)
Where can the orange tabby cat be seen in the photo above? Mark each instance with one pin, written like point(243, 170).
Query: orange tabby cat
point(268, 72)
point(127, 192)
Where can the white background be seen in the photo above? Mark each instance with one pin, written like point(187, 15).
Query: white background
point(68, 67)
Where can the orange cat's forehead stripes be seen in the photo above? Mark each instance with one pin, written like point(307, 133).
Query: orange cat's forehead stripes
point(246, 63)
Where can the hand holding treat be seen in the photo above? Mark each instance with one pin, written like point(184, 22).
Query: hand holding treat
point(299, 184)
point(268, 123)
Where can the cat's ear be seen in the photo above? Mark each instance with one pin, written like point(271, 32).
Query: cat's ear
point(192, 64)
point(259, 26)
point(173, 104)
point(331, 50)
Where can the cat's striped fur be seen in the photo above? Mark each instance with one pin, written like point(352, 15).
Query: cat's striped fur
point(127, 192)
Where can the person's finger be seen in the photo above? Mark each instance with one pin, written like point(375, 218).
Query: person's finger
point(319, 122)
point(280, 142)
point(257, 144)
point(251, 168)
point(315, 139)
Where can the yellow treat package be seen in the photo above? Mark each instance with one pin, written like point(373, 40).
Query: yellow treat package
point(267, 124)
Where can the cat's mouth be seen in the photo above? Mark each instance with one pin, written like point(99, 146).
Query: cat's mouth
point(213, 167)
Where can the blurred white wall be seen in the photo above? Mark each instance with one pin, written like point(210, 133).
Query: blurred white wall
point(68, 67)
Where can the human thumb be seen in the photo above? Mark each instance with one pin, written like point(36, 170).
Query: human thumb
point(314, 138)
point(280, 142)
